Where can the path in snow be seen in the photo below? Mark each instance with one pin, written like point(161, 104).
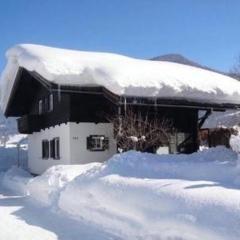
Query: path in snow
point(22, 220)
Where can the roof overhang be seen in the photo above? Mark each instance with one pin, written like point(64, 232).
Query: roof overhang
point(116, 99)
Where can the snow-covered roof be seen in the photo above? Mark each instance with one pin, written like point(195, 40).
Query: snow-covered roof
point(119, 74)
point(228, 119)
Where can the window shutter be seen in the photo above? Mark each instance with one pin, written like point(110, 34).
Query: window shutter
point(47, 148)
point(89, 142)
point(52, 149)
point(43, 150)
point(57, 148)
point(106, 143)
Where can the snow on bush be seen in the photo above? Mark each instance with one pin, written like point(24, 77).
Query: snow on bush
point(16, 180)
point(45, 188)
point(145, 196)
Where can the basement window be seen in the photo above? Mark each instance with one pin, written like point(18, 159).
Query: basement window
point(97, 143)
point(45, 149)
point(55, 148)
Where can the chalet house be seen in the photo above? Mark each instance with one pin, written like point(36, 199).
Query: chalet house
point(62, 97)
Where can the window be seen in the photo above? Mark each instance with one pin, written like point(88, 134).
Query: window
point(40, 107)
point(46, 104)
point(177, 142)
point(97, 143)
point(55, 148)
point(45, 149)
point(50, 102)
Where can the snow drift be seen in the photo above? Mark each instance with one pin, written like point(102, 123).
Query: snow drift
point(145, 196)
point(16, 180)
point(119, 74)
point(45, 188)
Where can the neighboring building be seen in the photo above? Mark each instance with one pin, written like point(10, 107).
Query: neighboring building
point(63, 100)
point(219, 127)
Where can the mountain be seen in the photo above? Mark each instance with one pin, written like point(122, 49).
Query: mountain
point(178, 58)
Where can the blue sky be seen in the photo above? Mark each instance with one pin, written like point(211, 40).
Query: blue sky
point(206, 31)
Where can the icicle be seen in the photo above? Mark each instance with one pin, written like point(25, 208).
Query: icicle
point(120, 121)
point(125, 106)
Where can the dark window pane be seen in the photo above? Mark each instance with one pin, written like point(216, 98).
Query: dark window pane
point(57, 148)
point(45, 149)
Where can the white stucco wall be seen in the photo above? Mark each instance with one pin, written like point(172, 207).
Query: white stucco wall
point(78, 142)
point(36, 164)
point(73, 145)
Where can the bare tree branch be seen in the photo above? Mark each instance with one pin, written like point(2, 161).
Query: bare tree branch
point(140, 132)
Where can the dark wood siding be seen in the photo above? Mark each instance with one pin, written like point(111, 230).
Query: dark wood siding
point(90, 108)
point(74, 104)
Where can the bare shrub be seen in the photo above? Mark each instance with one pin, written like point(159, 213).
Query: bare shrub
point(134, 130)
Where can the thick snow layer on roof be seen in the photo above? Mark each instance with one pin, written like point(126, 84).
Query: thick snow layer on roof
point(226, 119)
point(119, 74)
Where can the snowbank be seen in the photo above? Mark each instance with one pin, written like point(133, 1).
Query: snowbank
point(119, 74)
point(144, 196)
point(45, 188)
point(16, 180)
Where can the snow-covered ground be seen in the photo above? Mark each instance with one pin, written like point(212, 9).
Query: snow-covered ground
point(23, 220)
point(132, 196)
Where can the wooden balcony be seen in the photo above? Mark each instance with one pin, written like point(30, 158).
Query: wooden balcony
point(28, 124)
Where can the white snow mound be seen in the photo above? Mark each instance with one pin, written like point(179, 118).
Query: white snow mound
point(45, 187)
point(145, 196)
point(16, 180)
point(119, 74)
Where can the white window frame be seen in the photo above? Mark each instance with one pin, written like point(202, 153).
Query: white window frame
point(97, 143)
